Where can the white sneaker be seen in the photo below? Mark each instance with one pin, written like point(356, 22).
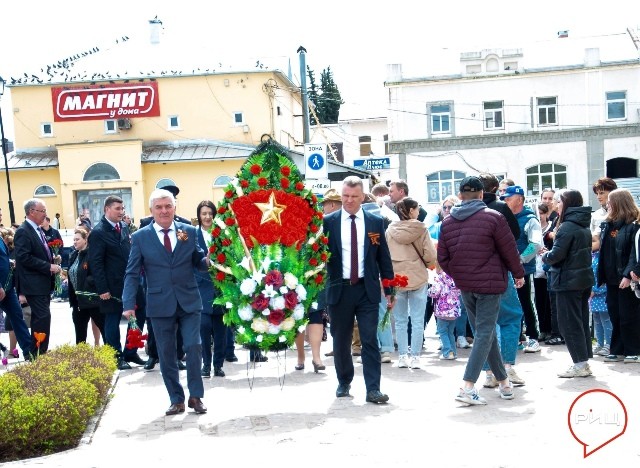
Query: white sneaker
point(385, 357)
point(506, 393)
point(514, 378)
point(532, 346)
point(415, 362)
point(604, 351)
point(574, 371)
point(490, 381)
point(631, 359)
point(462, 342)
point(470, 397)
point(403, 361)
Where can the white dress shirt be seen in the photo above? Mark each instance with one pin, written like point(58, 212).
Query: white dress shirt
point(346, 243)
point(172, 235)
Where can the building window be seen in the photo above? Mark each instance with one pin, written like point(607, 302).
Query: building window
point(44, 191)
point(164, 182)
point(100, 171)
point(221, 181)
point(46, 129)
point(547, 110)
point(386, 144)
point(174, 122)
point(110, 126)
point(545, 176)
point(442, 184)
point(365, 146)
point(238, 118)
point(493, 115)
point(617, 105)
point(440, 118)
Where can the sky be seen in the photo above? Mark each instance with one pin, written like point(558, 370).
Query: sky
point(357, 39)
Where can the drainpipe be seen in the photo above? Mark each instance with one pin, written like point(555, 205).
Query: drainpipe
point(305, 99)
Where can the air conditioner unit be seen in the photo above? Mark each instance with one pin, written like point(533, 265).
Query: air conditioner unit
point(124, 124)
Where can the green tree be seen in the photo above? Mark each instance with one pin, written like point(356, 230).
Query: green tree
point(327, 98)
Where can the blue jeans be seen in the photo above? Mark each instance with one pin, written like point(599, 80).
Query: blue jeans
point(483, 316)
point(13, 309)
point(410, 303)
point(385, 337)
point(448, 339)
point(461, 322)
point(602, 327)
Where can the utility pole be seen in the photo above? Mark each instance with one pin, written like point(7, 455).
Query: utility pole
point(305, 98)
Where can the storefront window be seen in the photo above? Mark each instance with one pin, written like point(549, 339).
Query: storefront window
point(101, 171)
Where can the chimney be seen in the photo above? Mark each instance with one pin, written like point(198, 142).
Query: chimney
point(155, 28)
point(592, 57)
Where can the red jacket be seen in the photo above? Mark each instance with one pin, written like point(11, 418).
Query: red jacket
point(477, 249)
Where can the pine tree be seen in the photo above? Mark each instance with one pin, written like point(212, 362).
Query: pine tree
point(327, 99)
point(312, 93)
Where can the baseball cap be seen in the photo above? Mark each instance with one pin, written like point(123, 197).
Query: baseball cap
point(332, 195)
point(512, 190)
point(471, 184)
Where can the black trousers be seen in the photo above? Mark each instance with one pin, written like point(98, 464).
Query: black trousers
point(40, 320)
point(354, 304)
point(81, 319)
point(623, 306)
point(529, 314)
point(543, 304)
point(573, 320)
point(212, 325)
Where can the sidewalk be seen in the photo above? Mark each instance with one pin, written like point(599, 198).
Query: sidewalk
point(273, 415)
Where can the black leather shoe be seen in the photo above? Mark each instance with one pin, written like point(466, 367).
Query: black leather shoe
point(197, 405)
point(175, 409)
point(205, 372)
point(376, 396)
point(123, 365)
point(232, 358)
point(343, 390)
point(181, 365)
point(218, 372)
point(150, 364)
point(136, 360)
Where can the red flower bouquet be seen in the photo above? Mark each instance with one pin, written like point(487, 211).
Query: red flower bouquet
point(399, 281)
point(135, 338)
point(55, 245)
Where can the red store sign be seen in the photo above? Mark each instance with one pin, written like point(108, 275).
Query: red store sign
point(100, 102)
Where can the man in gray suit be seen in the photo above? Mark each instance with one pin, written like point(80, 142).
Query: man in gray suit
point(168, 251)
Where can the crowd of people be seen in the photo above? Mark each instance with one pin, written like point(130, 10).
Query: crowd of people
point(496, 273)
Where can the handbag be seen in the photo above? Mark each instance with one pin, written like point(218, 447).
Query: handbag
point(426, 265)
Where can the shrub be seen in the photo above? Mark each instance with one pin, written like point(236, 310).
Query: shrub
point(47, 404)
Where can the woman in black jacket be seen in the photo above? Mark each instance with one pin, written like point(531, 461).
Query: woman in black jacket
point(84, 306)
point(617, 260)
point(571, 278)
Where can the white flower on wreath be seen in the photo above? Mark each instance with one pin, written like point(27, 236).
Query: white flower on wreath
point(290, 280)
point(257, 276)
point(248, 286)
point(268, 291)
point(246, 264)
point(282, 338)
point(302, 293)
point(245, 313)
point(277, 303)
point(241, 330)
point(314, 305)
point(266, 262)
point(274, 329)
point(283, 290)
point(266, 312)
point(298, 312)
point(228, 305)
point(259, 338)
point(259, 325)
point(302, 328)
point(288, 324)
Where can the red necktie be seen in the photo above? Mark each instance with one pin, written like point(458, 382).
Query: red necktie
point(167, 241)
point(118, 229)
point(354, 251)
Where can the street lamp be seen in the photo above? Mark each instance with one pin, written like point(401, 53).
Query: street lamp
point(12, 214)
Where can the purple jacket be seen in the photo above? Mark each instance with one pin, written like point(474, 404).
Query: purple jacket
point(477, 249)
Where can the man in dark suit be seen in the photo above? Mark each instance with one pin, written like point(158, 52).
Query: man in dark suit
point(9, 300)
point(109, 247)
point(359, 259)
point(35, 270)
point(168, 252)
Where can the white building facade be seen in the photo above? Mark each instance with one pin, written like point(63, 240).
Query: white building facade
point(557, 127)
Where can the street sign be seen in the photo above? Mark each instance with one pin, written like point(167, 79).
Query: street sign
point(372, 164)
point(315, 156)
point(318, 187)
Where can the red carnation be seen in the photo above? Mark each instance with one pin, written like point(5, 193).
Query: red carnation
point(230, 221)
point(228, 194)
point(313, 228)
point(285, 171)
point(244, 183)
point(323, 257)
point(212, 248)
point(260, 302)
point(220, 276)
point(255, 169)
point(222, 210)
point(319, 279)
point(325, 240)
point(226, 242)
point(276, 317)
point(262, 182)
point(314, 199)
point(315, 247)
point(299, 186)
point(221, 258)
point(290, 299)
point(284, 182)
point(320, 214)
point(216, 232)
point(313, 262)
point(274, 278)
point(386, 282)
